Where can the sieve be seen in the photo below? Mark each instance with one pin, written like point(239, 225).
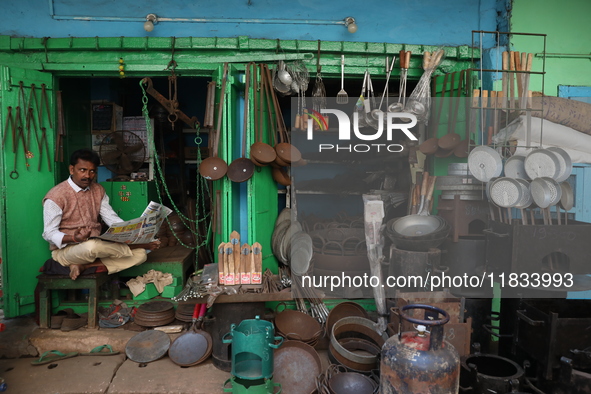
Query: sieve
point(565, 164)
point(541, 163)
point(515, 168)
point(526, 199)
point(545, 192)
point(506, 192)
point(485, 163)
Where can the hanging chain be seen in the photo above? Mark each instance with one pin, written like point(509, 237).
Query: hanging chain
point(159, 173)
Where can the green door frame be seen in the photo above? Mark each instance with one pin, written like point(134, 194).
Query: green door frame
point(149, 56)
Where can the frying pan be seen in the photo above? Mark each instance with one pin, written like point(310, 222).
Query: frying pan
point(192, 347)
point(261, 153)
point(241, 169)
point(214, 168)
point(546, 192)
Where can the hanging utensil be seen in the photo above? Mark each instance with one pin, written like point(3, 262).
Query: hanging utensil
point(262, 153)
point(515, 168)
point(485, 163)
point(342, 97)
point(541, 163)
point(565, 165)
point(285, 151)
point(567, 200)
point(242, 169)
point(214, 168)
point(404, 66)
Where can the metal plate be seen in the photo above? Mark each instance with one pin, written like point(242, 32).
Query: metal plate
point(155, 306)
point(565, 164)
point(541, 163)
point(147, 346)
point(301, 253)
point(506, 192)
point(545, 191)
point(515, 168)
point(295, 366)
point(485, 163)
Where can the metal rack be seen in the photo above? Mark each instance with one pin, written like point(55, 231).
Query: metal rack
point(500, 101)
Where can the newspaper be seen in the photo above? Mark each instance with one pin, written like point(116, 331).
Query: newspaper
point(141, 230)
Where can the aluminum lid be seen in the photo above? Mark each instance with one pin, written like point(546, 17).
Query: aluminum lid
point(485, 163)
point(541, 163)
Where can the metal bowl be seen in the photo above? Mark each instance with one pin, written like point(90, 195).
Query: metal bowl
point(351, 382)
point(393, 225)
point(416, 225)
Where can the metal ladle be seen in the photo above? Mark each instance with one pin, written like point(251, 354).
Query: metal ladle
point(214, 168)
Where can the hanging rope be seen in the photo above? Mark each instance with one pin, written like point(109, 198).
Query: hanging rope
point(201, 191)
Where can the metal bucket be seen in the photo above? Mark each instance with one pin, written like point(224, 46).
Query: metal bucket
point(252, 342)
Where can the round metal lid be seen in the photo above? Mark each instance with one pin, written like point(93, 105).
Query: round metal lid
point(515, 168)
point(541, 163)
point(506, 192)
point(565, 164)
point(485, 163)
point(147, 346)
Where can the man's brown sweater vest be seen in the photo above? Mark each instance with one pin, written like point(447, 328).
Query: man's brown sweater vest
point(79, 210)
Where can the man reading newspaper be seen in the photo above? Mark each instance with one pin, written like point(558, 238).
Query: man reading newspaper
point(71, 213)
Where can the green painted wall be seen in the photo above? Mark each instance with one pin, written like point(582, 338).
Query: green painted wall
point(568, 28)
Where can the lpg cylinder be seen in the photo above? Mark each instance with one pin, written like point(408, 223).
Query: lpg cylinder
point(420, 362)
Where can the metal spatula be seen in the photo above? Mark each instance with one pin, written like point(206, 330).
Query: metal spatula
point(342, 97)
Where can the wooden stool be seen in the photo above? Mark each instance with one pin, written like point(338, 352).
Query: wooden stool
point(47, 283)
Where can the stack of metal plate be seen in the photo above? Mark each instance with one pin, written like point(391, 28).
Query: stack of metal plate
point(184, 312)
point(154, 314)
point(460, 182)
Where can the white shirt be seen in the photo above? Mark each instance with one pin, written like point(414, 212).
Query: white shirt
point(52, 217)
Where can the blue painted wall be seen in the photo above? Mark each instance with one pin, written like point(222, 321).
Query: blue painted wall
point(430, 22)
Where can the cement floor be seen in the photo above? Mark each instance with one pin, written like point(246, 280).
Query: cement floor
point(23, 341)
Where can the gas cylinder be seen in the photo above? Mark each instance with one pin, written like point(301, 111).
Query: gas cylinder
point(420, 362)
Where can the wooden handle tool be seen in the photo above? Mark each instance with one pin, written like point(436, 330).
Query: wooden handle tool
point(245, 264)
point(257, 253)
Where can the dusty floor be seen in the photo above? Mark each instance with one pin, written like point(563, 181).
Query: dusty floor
point(23, 341)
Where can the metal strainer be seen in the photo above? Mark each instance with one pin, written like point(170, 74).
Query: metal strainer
point(526, 200)
point(485, 163)
point(545, 192)
point(541, 163)
point(506, 192)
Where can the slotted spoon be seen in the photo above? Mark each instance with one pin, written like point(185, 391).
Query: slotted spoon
point(342, 97)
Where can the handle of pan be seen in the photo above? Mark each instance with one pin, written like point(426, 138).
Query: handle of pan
point(196, 311)
point(522, 316)
point(276, 346)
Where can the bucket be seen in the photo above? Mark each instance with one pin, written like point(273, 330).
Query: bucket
point(252, 342)
point(263, 386)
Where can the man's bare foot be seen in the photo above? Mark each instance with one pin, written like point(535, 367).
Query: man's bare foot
point(151, 246)
point(74, 271)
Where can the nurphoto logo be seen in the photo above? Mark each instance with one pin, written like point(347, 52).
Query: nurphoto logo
point(386, 121)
